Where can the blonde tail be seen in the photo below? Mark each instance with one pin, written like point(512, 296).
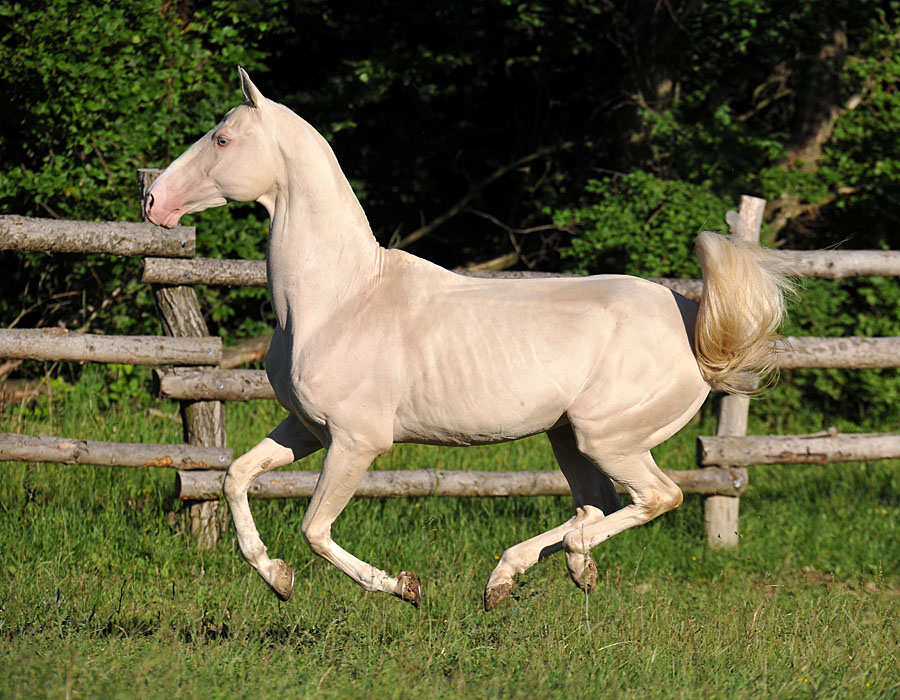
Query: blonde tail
point(741, 309)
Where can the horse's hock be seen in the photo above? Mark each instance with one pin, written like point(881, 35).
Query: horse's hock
point(196, 379)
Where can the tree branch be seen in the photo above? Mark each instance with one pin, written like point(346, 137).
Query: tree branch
point(520, 231)
point(404, 241)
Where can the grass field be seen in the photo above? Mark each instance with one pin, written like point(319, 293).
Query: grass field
point(103, 595)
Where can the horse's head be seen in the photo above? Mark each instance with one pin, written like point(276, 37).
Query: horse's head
point(236, 160)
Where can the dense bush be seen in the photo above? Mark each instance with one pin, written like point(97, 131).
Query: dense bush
point(92, 92)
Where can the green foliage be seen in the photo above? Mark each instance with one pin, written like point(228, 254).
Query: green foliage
point(96, 90)
point(92, 92)
point(643, 225)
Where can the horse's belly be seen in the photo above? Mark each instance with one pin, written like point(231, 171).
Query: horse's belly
point(466, 429)
point(473, 409)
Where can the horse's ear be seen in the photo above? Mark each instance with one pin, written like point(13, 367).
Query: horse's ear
point(251, 94)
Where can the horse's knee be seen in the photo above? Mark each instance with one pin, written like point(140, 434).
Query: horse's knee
point(241, 472)
point(237, 478)
point(232, 488)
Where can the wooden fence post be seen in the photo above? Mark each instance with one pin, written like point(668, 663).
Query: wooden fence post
point(720, 513)
point(203, 421)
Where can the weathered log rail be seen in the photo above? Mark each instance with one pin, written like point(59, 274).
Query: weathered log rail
point(213, 384)
point(201, 472)
point(58, 344)
point(25, 448)
point(252, 273)
point(839, 264)
point(198, 485)
point(113, 237)
point(820, 448)
point(839, 353)
point(825, 264)
point(804, 353)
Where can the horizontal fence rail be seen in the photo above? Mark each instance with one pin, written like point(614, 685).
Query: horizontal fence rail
point(58, 344)
point(820, 448)
point(191, 384)
point(838, 264)
point(200, 485)
point(25, 448)
point(839, 353)
point(252, 273)
point(826, 264)
point(209, 271)
point(114, 237)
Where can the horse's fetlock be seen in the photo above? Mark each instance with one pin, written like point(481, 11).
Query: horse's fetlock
point(575, 542)
point(253, 554)
point(678, 498)
point(508, 563)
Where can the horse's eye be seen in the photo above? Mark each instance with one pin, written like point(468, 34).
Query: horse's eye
point(221, 140)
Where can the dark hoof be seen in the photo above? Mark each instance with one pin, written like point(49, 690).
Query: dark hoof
point(409, 588)
point(282, 579)
point(494, 595)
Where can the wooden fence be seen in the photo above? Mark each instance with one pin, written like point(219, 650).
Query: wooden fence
point(198, 380)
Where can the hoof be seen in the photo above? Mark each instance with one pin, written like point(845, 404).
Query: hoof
point(496, 594)
point(585, 579)
point(409, 588)
point(282, 582)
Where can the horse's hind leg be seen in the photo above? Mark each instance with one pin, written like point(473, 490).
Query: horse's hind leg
point(290, 441)
point(591, 490)
point(593, 496)
point(652, 493)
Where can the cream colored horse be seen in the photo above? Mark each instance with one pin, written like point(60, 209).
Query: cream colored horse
point(376, 346)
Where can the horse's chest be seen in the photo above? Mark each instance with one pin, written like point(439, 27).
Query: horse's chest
point(315, 379)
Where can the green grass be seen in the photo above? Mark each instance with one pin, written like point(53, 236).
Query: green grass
point(103, 595)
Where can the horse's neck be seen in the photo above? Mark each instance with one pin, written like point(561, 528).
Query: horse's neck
point(321, 249)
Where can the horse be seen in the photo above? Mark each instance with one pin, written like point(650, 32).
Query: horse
point(374, 346)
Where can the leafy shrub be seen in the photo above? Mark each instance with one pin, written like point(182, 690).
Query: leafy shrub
point(92, 92)
point(642, 225)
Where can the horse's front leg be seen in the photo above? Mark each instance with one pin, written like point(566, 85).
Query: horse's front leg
point(345, 464)
point(290, 441)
